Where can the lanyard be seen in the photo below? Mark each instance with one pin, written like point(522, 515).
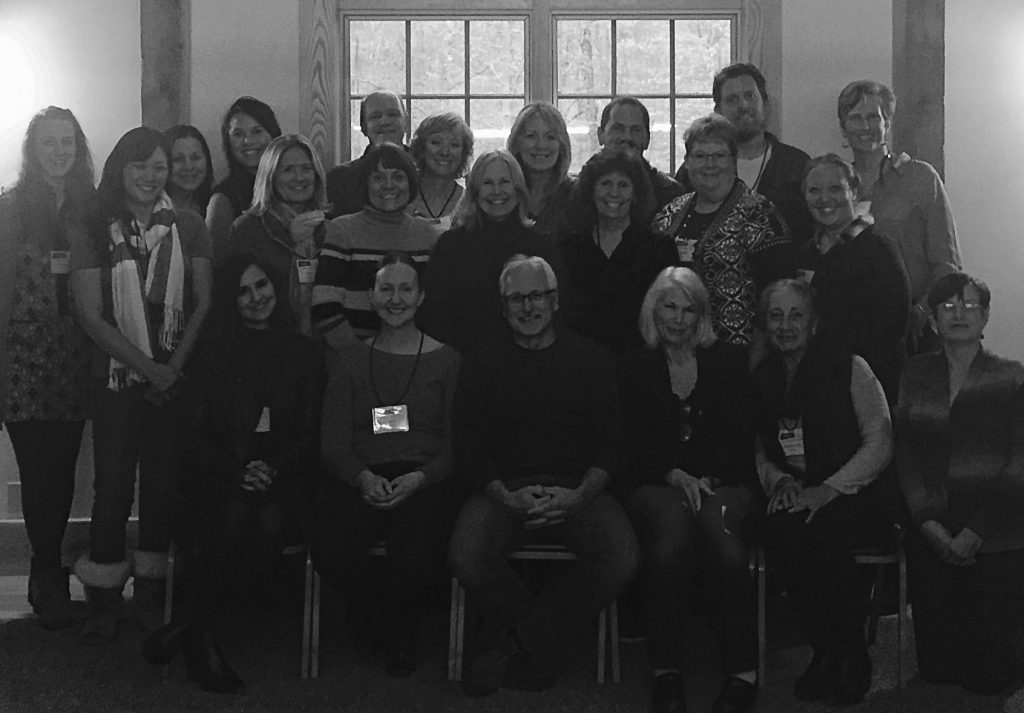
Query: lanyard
point(373, 381)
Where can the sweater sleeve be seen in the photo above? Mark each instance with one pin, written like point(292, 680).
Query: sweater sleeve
point(441, 465)
point(924, 502)
point(940, 230)
point(437, 315)
point(337, 427)
point(327, 310)
point(1003, 492)
point(875, 426)
point(768, 473)
point(298, 454)
point(606, 417)
point(474, 415)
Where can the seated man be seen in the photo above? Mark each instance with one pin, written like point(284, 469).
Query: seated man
point(537, 432)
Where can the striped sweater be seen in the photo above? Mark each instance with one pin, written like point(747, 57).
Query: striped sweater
point(348, 259)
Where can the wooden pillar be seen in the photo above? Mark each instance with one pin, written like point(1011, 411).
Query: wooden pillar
point(165, 66)
point(919, 79)
point(319, 95)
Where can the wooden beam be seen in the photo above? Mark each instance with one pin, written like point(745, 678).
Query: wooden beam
point(919, 79)
point(319, 91)
point(165, 66)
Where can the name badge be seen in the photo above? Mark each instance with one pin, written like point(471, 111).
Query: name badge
point(390, 419)
point(792, 441)
point(805, 275)
point(685, 249)
point(264, 424)
point(60, 262)
point(307, 270)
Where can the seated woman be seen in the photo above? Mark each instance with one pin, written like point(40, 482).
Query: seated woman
point(387, 451)
point(733, 238)
point(540, 142)
point(285, 225)
point(610, 263)
point(861, 289)
point(342, 310)
point(491, 225)
point(960, 422)
point(141, 283)
point(689, 484)
point(190, 182)
point(823, 439)
point(44, 353)
point(253, 449)
point(441, 149)
point(247, 128)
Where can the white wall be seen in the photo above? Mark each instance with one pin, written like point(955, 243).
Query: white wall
point(825, 45)
point(984, 154)
point(82, 55)
point(243, 47)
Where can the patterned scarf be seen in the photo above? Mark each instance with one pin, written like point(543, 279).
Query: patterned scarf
point(164, 281)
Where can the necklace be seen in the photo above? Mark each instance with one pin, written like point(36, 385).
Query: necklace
point(426, 203)
point(412, 376)
point(760, 171)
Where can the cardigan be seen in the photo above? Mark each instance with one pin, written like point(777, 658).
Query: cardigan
point(962, 464)
point(721, 419)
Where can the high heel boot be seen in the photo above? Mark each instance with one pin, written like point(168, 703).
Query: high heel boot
point(206, 664)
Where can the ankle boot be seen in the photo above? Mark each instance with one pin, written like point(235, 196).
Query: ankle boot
point(50, 597)
point(103, 586)
point(206, 664)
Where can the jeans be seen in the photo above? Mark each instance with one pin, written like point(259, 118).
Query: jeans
point(129, 432)
point(546, 624)
point(676, 542)
point(47, 452)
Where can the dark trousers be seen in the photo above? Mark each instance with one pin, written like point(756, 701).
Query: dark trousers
point(47, 452)
point(675, 543)
point(966, 618)
point(815, 564)
point(416, 532)
point(128, 433)
point(546, 624)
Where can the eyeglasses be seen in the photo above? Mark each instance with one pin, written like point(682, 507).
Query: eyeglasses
point(518, 300)
point(967, 307)
point(717, 157)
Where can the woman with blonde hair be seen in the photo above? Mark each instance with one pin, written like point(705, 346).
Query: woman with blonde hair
point(540, 142)
point(284, 226)
point(492, 224)
point(441, 149)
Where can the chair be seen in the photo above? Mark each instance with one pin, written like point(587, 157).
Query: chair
point(868, 557)
point(608, 621)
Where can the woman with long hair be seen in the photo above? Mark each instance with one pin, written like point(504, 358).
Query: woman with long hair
point(247, 129)
point(539, 140)
point(44, 354)
point(190, 183)
point(141, 282)
point(285, 225)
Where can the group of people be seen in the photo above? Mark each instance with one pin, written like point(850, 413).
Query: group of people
point(460, 356)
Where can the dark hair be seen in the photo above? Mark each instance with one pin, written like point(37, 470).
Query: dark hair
point(259, 111)
point(78, 184)
point(137, 145)
point(434, 124)
point(713, 127)
point(738, 69)
point(953, 285)
point(224, 301)
point(836, 161)
point(625, 101)
point(604, 162)
point(388, 155)
point(185, 131)
point(854, 92)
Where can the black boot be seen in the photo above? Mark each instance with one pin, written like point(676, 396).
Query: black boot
point(206, 664)
point(50, 597)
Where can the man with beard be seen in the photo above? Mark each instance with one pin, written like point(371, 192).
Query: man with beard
point(765, 164)
point(626, 128)
point(537, 433)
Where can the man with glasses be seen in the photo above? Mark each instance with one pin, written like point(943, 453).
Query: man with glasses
point(765, 164)
point(537, 433)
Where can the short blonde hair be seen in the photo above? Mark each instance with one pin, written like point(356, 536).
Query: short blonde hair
point(263, 196)
point(468, 213)
point(689, 283)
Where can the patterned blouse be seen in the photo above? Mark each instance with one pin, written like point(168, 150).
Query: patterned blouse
point(46, 362)
point(743, 247)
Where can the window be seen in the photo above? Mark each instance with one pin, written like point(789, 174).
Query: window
point(480, 66)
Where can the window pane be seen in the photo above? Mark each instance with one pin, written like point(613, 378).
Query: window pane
point(497, 57)
point(643, 57)
point(582, 117)
point(438, 52)
point(686, 111)
point(702, 48)
point(376, 56)
point(584, 56)
point(658, 152)
point(357, 142)
point(422, 108)
point(491, 120)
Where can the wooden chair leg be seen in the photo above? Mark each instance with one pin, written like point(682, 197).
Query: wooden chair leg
point(761, 617)
point(172, 556)
point(613, 631)
point(453, 631)
point(602, 643)
point(314, 644)
point(901, 620)
point(875, 604)
point(307, 616)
